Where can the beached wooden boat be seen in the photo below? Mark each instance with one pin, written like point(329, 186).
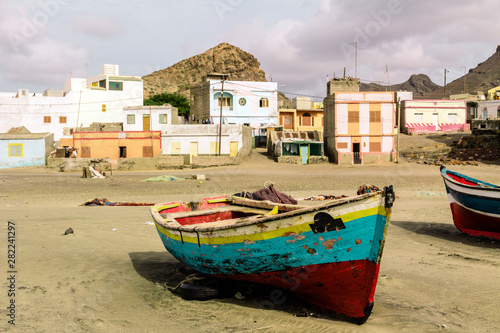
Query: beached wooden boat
point(475, 204)
point(328, 254)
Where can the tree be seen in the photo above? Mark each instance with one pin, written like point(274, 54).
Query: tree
point(176, 100)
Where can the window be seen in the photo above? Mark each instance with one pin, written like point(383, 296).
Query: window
point(104, 108)
point(15, 150)
point(102, 84)
point(264, 103)
point(418, 117)
point(85, 152)
point(452, 117)
point(306, 119)
point(113, 85)
point(46, 119)
point(353, 117)
point(374, 116)
point(95, 84)
point(342, 145)
point(163, 119)
point(375, 147)
point(224, 101)
point(147, 151)
point(131, 119)
point(62, 120)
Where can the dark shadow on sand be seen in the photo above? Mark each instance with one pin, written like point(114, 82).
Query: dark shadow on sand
point(163, 269)
point(447, 232)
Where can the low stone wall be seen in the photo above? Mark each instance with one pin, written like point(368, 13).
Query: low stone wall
point(106, 164)
point(209, 161)
point(298, 159)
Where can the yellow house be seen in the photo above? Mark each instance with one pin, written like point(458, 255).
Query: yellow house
point(305, 116)
point(494, 93)
point(115, 145)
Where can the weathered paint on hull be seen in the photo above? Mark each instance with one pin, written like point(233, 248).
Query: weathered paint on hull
point(345, 288)
point(335, 269)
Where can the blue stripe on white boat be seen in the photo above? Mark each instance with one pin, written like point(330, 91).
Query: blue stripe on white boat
point(485, 201)
point(281, 253)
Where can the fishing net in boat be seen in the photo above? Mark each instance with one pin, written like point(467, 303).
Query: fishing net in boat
point(268, 193)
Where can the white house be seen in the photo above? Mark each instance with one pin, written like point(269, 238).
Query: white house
point(241, 102)
point(429, 116)
point(82, 101)
point(203, 140)
point(149, 118)
point(488, 109)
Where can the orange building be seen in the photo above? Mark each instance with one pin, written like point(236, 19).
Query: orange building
point(115, 145)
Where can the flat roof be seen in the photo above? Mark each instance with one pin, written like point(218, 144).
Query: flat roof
point(26, 136)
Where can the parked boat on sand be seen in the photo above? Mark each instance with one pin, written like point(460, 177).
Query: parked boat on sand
point(475, 204)
point(328, 254)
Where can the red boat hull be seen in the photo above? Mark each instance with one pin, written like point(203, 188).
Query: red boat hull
point(475, 223)
point(345, 288)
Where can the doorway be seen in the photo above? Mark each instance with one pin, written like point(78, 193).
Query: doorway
point(193, 151)
point(435, 120)
point(123, 152)
point(304, 154)
point(146, 123)
point(356, 153)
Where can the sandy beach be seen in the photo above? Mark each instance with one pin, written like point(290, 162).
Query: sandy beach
point(111, 274)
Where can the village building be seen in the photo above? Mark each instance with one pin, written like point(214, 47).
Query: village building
point(488, 109)
point(296, 147)
point(430, 116)
point(493, 93)
point(149, 118)
point(201, 142)
point(82, 101)
point(217, 99)
point(359, 127)
point(25, 149)
point(305, 115)
point(115, 145)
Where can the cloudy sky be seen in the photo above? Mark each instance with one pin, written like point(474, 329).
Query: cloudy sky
point(298, 43)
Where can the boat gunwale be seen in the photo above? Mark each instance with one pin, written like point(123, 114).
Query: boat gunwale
point(251, 220)
point(486, 186)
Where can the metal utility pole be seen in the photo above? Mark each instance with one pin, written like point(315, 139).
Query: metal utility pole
point(444, 86)
point(465, 79)
point(220, 118)
point(398, 129)
point(355, 59)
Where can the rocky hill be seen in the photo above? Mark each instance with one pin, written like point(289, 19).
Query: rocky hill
point(481, 78)
point(419, 84)
point(224, 58)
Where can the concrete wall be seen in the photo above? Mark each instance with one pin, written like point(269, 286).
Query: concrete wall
point(200, 103)
point(106, 164)
point(341, 84)
point(485, 125)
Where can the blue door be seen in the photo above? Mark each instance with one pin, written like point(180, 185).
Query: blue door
point(304, 154)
